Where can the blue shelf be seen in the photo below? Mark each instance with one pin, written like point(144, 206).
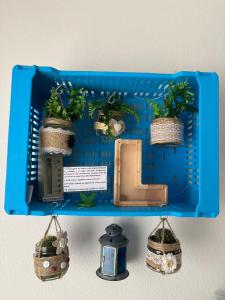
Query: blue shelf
point(191, 170)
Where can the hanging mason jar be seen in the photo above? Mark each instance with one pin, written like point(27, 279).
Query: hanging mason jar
point(51, 257)
point(113, 254)
point(112, 127)
point(164, 250)
point(109, 115)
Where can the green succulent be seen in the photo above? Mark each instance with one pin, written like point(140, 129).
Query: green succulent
point(47, 242)
point(168, 236)
point(87, 200)
point(178, 99)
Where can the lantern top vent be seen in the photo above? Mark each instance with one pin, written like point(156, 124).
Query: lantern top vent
point(113, 237)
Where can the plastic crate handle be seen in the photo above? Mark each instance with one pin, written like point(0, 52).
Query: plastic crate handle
point(16, 177)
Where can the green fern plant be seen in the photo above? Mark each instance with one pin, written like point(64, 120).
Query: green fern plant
point(87, 200)
point(107, 109)
point(178, 99)
point(73, 111)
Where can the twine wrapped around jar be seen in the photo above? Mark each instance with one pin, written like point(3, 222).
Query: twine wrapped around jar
point(53, 266)
point(49, 268)
point(167, 131)
point(101, 127)
point(56, 136)
point(161, 257)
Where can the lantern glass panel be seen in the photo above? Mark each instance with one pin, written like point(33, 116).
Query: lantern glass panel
point(109, 261)
point(121, 260)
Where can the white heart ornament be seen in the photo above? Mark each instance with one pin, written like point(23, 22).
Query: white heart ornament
point(116, 127)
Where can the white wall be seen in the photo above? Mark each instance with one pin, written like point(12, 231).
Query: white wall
point(116, 35)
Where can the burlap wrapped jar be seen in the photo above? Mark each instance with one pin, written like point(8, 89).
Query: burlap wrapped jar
point(161, 257)
point(115, 126)
point(49, 265)
point(56, 136)
point(167, 131)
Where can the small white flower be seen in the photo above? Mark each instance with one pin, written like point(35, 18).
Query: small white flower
point(169, 263)
point(61, 242)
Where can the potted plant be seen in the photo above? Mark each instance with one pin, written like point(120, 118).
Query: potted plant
point(109, 115)
point(56, 135)
point(167, 127)
point(51, 257)
point(164, 250)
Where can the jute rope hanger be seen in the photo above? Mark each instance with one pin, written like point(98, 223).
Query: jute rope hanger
point(163, 221)
point(57, 228)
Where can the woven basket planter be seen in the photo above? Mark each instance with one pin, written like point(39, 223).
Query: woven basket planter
point(164, 258)
point(56, 136)
point(48, 265)
point(167, 131)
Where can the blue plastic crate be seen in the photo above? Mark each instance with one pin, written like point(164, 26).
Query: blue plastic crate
point(191, 170)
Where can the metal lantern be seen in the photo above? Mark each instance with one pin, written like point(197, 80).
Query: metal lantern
point(113, 254)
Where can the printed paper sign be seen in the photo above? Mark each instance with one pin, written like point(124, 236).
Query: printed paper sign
point(77, 179)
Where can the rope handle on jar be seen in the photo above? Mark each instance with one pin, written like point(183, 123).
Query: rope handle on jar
point(57, 228)
point(163, 221)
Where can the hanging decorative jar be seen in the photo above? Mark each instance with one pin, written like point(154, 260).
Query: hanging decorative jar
point(64, 106)
point(114, 127)
point(51, 257)
point(164, 250)
point(113, 254)
point(167, 127)
point(109, 115)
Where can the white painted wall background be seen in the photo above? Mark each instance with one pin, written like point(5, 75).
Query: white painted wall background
point(118, 35)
